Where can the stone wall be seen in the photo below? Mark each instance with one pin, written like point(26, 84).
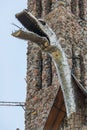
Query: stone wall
point(42, 80)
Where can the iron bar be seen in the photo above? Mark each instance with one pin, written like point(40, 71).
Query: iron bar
point(16, 104)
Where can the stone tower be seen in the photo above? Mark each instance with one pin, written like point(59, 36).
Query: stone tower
point(68, 18)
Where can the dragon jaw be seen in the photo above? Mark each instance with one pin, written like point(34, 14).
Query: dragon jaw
point(36, 30)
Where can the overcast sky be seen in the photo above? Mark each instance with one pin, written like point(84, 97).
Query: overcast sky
point(12, 65)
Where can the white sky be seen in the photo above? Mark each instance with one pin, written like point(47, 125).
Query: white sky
point(12, 66)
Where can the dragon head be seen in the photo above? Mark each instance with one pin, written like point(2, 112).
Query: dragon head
point(36, 31)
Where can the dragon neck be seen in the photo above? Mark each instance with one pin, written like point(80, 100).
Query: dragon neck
point(64, 75)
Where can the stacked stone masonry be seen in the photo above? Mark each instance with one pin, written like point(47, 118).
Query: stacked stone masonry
point(68, 20)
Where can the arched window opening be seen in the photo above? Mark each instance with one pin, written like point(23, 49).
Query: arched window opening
point(48, 6)
point(81, 9)
point(38, 8)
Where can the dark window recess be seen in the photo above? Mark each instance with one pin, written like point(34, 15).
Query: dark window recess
point(47, 68)
point(81, 9)
point(77, 8)
point(74, 6)
point(82, 69)
point(49, 76)
point(48, 6)
point(38, 8)
point(39, 75)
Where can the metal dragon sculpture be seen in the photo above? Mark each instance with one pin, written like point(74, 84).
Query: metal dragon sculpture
point(36, 30)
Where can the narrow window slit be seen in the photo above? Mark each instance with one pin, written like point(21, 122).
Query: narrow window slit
point(39, 8)
point(81, 9)
point(74, 6)
point(48, 6)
